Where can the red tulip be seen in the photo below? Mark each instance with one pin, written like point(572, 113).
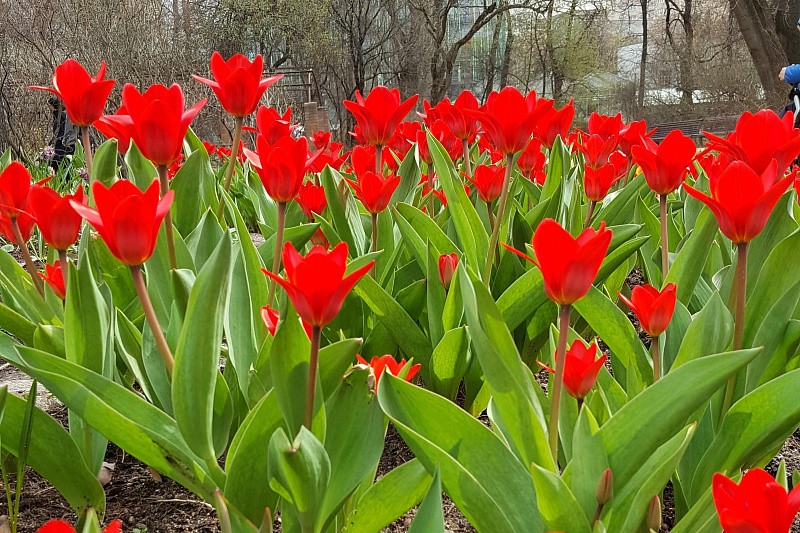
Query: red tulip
point(156, 121)
point(758, 139)
point(463, 126)
point(426, 190)
point(452, 145)
point(362, 159)
point(374, 190)
point(741, 200)
point(758, 504)
point(281, 166)
point(15, 184)
point(597, 182)
point(84, 97)
point(488, 181)
point(25, 222)
point(665, 165)
point(447, 267)
point(311, 199)
point(321, 139)
point(606, 126)
point(316, 284)
point(388, 362)
point(632, 135)
point(569, 266)
point(60, 526)
point(596, 149)
point(379, 113)
point(652, 307)
point(111, 130)
point(272, 125)
point(54, 277)
point(126, 218)
point(509, 119)
point(405, 135)
point(556, 122)
point(580, 368)
point(237, 82)
point(57, 220)
point(271, 317)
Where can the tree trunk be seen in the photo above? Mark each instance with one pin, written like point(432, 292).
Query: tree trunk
point(491, 60)
point(643, 62)
point(758, 30)
point(687, 56)
point(505, 67)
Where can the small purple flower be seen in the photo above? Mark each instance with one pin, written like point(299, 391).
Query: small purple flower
point(49, 152)
point(83, 173)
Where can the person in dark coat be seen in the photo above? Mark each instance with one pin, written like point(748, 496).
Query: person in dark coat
point(63, 140)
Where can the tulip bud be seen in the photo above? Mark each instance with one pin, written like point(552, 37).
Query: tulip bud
point(654, 514)
point(605, 487)
point(447, 267)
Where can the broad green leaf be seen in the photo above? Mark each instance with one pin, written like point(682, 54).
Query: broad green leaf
point(588, 463)
point(430, 515)
point(204, 238)
point(710, 332)
point(560, 511)
point(17, 325)
point(194, 378)
point(482, 477)
point(140, 170)
point(344, 211)
point(194, 185)
point(391, 496)
point(417, 228)
point(773, 331)
point(449, 362)
point(688, 265)
point(299, 471)
point(688, 388)
point(104, 163)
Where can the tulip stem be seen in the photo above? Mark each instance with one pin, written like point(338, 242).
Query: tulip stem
point(163, 180)
point(237, 136)
point(501, 211)
point(558, 382)
point(374, 234)
point(26, 256)
point(276, 259)
point(86, 142)
point(467, 162)
point(62, 259)
point(430, 192)
point(656, 360)
point(664, 237)
point(152, 320)
point(589, 214)
point(738, 319)
point(491, 215)
point(378, 159)
point(311, 387)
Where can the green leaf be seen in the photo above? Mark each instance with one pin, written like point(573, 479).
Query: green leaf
point(299, 471)
point(140, 170)
point(194, 185)
point(588, 463)
point(430, 516)
point(688, 388)
point(197, 356)
point(688, 265)
point(204, 238)
point(449, 362)
point(246, 466)
point(385, 501)
point(710, 332)
point(755, 424)
point(72, 478)
point(344, 211)
point(353, 441)
point(104, 163)
point(482, 477)
point(556, 502)
point(17, 325)
point(417, 228)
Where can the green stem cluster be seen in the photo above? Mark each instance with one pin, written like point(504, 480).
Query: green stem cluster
point(558, 381)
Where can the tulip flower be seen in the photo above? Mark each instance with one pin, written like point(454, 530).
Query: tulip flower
point(317, 287)
point(387, 363)
point(568, 265)
point(488, 181)
point(15, 224)
point(272, 125)
point(462, 125)
point(311, 198)
point(112, 131)
point(632, 135)
point(238, 83)
point(606, 126)
point(556, 123)
point(452, 145)
point(531, 162)
point(156, 121)
point(271, 317)
point(321, 139)
point(84, 97)
point(362, 159)
point(54, 277)
point(742, 200)
point(597, 182)
point(665, 167)
point(758, 139)
point(128, 221)
point(405, 135)
point(375, 192)
point(447, 267)
point(509, 119)
point(581, 367)
point(379, 113)
point(758, 504)
point(60, 526)
point(596, 149)
point(654, 310)
point(57, 220)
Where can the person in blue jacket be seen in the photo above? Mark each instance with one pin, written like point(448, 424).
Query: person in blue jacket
point(791, 74)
